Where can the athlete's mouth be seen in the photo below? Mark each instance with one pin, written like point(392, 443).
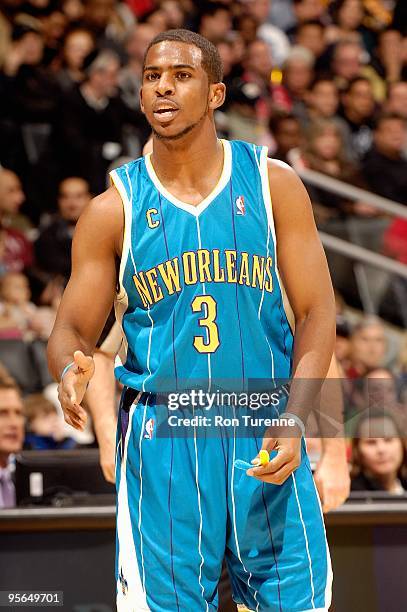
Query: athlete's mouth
point(165, 110)
point(165, 113)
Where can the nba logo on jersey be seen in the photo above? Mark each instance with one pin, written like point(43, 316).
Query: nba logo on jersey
point(149, 429)
point(241, 210)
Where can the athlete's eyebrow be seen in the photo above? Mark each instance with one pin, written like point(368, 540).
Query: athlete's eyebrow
point(174, 67)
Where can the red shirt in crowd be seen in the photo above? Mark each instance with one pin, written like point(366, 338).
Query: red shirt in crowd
point(15, 251)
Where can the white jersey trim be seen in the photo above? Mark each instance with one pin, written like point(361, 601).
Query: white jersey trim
point(190, 208)
point(269, 211)
point(135, 598)
point(122, 300)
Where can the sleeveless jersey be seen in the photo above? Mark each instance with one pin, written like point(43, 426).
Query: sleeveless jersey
point(200, 297)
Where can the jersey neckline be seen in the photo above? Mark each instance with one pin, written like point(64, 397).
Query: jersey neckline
point(199, 208)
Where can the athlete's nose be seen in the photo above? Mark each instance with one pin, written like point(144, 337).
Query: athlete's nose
point(165, 86)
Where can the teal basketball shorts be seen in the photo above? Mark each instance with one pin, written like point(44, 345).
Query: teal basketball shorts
point(182, 507)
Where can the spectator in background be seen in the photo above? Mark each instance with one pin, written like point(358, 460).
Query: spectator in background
point(298, 73)
point(53, 25)
point(346, 62)
point(286, 131)
point(29, 98)
point(227, 55)
point(306, 10)
point(342, 343)
point(91, 122)
point(258, 65)
point(12, 198)
point(131, 75)
point(368, 345)
point(323, 150)
point(49, 301)
point(246, 25)
point(11, 435)
point(17, 312)
point(8, 9)
point(379, 455)
point(385, 169)
point(77, 45)
point(15, 249)
point(282, 14)
point(322, 99)
point(358, 108)
point(215, 21)
point(276, 39)
point(53, 246)
point(347, 18)
point(45, 428)
point(27, 48)
point(156, 18)
point(311, 36)
point(174, 13)
point(242, 115)
point(388, 59)
point(397, 99)
point(402, 370)
point(73, 10)
point(106, 23)
point(381, 391)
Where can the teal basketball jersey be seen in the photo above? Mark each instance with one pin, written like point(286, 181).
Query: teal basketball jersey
point(200, 297)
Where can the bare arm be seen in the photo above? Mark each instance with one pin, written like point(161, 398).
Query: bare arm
point(305, 275)
point(332, 472)
point(100, 401)
point(87, 299)
point(304, 272)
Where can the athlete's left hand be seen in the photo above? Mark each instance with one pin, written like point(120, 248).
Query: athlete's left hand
point(288, 456)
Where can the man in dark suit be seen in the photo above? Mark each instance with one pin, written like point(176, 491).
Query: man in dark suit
point(11, 435)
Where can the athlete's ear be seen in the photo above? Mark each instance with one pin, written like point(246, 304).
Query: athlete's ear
point(217, 93)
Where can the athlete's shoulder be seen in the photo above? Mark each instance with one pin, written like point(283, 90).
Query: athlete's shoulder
point(282, 176)
point(287, 191)
point(103, 217)
point(105, 204)
point(279, 169)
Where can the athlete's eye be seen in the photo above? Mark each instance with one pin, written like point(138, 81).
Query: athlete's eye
point(152, 76)
point(183, 75)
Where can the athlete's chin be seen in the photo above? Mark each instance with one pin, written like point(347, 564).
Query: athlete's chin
point(171, 132)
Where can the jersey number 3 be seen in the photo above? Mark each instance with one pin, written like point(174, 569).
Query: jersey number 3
point(208, 307)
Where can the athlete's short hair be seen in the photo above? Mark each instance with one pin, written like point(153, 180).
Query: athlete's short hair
point(211, 60)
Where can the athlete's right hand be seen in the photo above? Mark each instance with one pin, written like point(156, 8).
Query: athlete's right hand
point(72, 388)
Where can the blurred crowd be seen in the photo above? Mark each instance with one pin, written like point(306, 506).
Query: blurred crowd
point(322, 83)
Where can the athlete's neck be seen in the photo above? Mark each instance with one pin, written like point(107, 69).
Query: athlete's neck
point(191, 166)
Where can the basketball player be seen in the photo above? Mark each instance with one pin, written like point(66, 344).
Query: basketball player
point(197, 229)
